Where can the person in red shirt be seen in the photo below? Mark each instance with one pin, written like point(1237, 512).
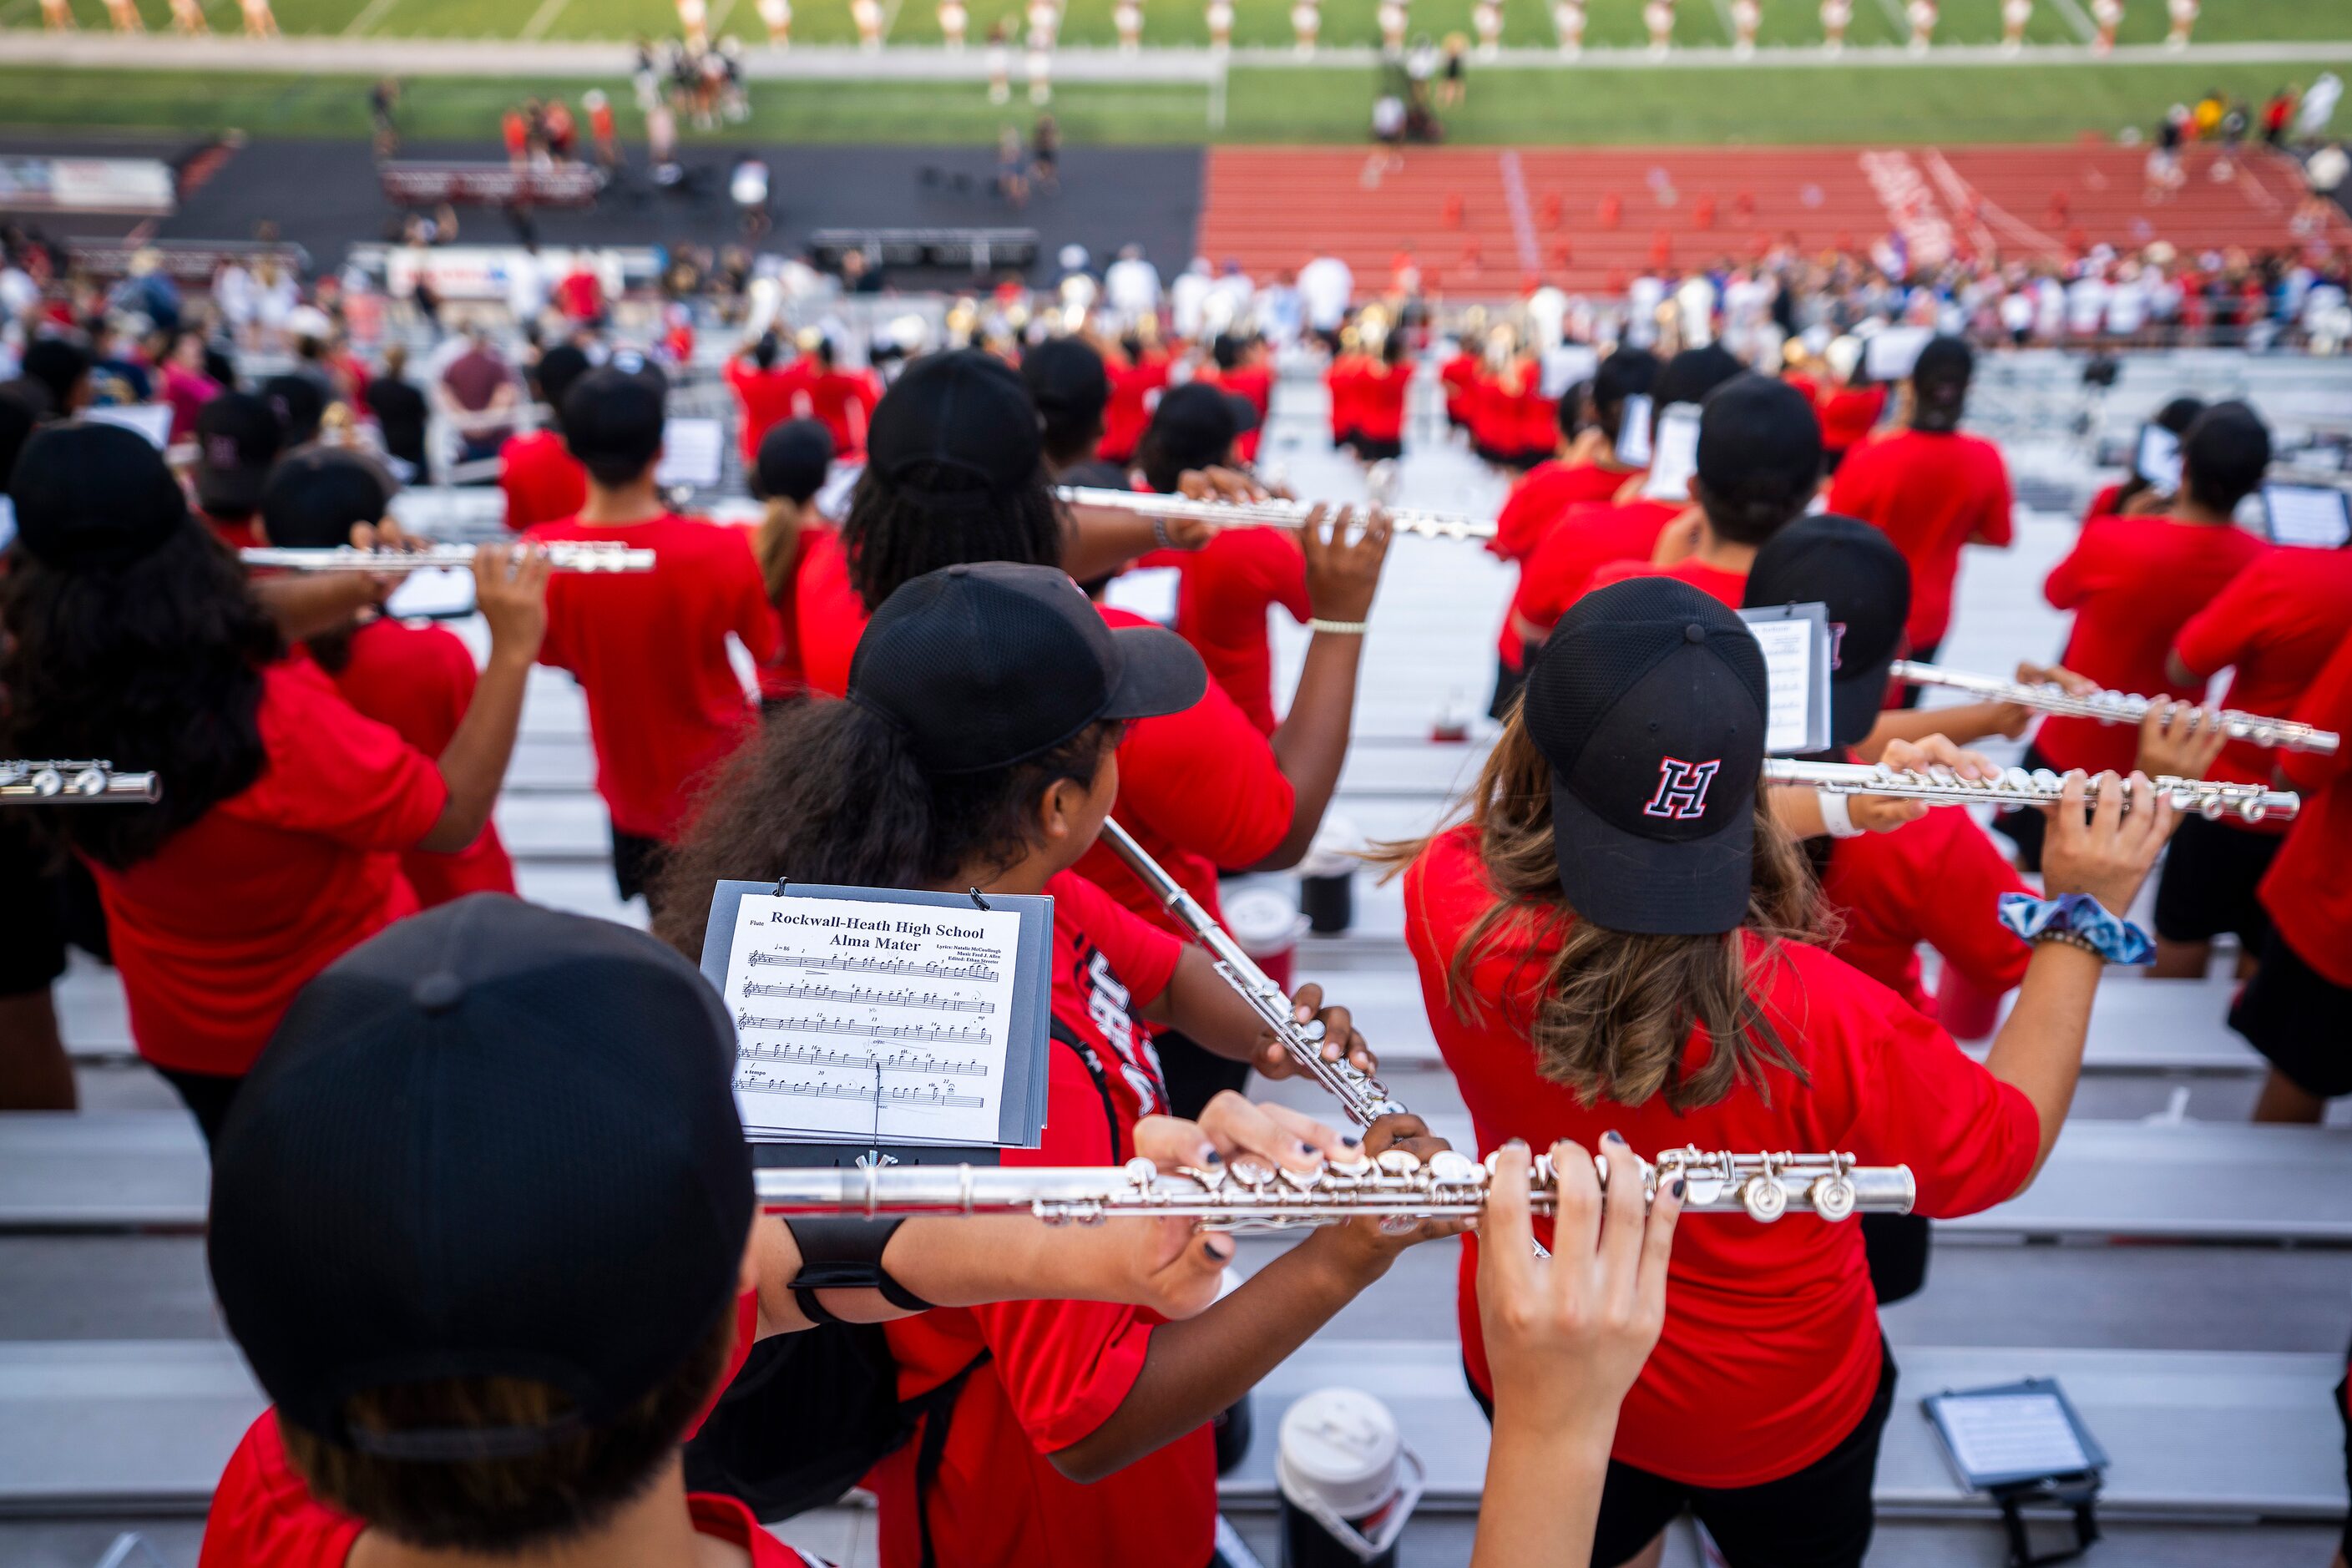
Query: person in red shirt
point(275, 847)
point(957, 477)
point(1605, 944)
point(1759, 465)
point(1380, 390)
point(650, 648)
point(1459, 376)
point(2293, 1010)
point(1587, 537)
point(542, 481)
point(2137, 493)
point(794, 460)
point(1931, 490)
point(1080, 1436)
point(1071, 388)
point(841, 400)
point(417, 678)
point(1851, 409)
point(1343, 381)
point(579, 294)
point(2273, 628)
point(553, 1289)
point(2133, 582)
point(1228, 586)
point(1136, 378)
point(766, 393)
point(1239, 365)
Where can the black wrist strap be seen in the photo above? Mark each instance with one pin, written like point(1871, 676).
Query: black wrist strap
point(845, 1253)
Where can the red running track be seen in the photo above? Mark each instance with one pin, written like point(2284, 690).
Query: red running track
point(1486, 220)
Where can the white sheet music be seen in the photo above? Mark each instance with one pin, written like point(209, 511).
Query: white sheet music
point(152, 420)
point(2011, 1434)
point(1789, 664)
point(1675, 457)
point(1633, 431)
point(2157, 457)
point(692, 453)
point(1893, 351)
point(2312, 516)
point(871, 1020)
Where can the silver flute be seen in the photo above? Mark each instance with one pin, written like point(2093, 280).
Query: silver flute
point(2211, 798)
point(564, 556)
point(1251, 1195)
point(2115, 707)
point(30, 782)
point(1271, 514)
point(1358, 1093)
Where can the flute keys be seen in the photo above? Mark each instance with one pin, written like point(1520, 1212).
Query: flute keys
point(1398, 1163)
point(1764, 1198)
point(1452, 1168)
point(1832, 1197)
point(1352, 1169)
point(1251, 1170)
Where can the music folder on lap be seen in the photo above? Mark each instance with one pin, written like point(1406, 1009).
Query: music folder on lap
point(884, 1026)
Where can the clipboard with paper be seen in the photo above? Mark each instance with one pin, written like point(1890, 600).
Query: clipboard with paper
point(1796, 658)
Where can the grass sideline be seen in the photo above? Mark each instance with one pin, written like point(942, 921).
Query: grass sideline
point(1762, 105)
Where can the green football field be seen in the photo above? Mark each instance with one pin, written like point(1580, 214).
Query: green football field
point(1345, 22)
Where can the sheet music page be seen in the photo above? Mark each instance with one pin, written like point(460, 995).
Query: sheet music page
point(1675, 457)
point(871, 1020)
point(1633, 431)
point(2157, 457)
point(1787, 648)
point(692, 453)
point(152, 420)
point(2310, 516)
point(2011, 1434)
point(1891, 353)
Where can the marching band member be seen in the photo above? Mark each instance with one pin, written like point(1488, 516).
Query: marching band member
point(275, 847)
point(188, 18)
point(955, 22)
point(1837, 16)
point(795, 458)
point(124, 15)
point(1921, 14)
point(542, 481)
point(1487, 22)
point(1395, 21)
point(1746, 15)
point(1306, 23)
point(2183, 14)
point(1658, 16)
point(2109, 15)
point(776, 16)
point(868, 17)
point(57, 17)
point(979, 750)
point(1127, 16)
point(1614, 940)
point(1221, 26)
point(999, 62)
point(2015, 15)
point(1568, 21)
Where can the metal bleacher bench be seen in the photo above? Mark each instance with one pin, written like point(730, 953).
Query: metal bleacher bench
point(90, 1426)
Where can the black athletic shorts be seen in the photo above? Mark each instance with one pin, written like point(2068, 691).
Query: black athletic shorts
point(32, 916)
point(1377, 449)
point(1193, 1074)
point(2211, 870)
point(636, 861)
point(2299, 1019)
point(1896, 1246)
point(207, 1097)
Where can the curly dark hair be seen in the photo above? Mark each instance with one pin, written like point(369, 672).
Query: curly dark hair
point(930, 516)
point(152, 665)
point(829, 792)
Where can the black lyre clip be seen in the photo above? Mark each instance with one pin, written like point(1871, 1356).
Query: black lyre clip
point(982, 902)
point(781, 883)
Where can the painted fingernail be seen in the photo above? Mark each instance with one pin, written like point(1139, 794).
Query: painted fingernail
point(1218, 1248)
point(1679, 1185)
point(1206, 1155)
point(1304, 1147)
point(1215, 1158)
point(1351, 1140)
point(1516, 1143)
point(1613, 1136)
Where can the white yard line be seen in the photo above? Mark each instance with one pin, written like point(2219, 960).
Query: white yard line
point(2072, 13)
point(542, 19)
point(1901, 22)
point(374, 11)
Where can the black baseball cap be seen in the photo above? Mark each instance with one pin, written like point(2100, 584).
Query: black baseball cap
point(1649, 702)
point(1691, 374)
point(315, 497)
point(1858, 573)
point(557, 369)
point(493, 1141)
point(794, 458)
point(237, 438)
point(1760, 444)
point(963, 413)
point(1066, 379)
point(93, 497)
point(1197, 424)
point(300, 404)
point(1939, 383)
point(612, 417)
point(1627, 373)
point(986, 665)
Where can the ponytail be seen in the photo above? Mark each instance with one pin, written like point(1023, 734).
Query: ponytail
point(778, 545)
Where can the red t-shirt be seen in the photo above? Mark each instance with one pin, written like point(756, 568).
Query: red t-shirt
point(215, 934)
point(785, 674)
point(1255, 385)
point(1730, 587)
point(1849, 414)
point(1459, 376)
point(2306, 893)
point(2133, 582)
point(543, 480)
point(1343, 384)
point(1937, 880)
point(2276, 622)
point(843, 401)
point(1224, 591)
point(1200, 790)
point(1930, 494)
point(1128, 409)
point(1584, 540)
point(263, 1516)
point(419, 680)
point(1543, 498)
point(2104, 503)
point(1771, 1340)
point(1380, 393)
point(1057, 1370)
point(580, 295)
point(767, 398)
point(649, 650)
point(828, 617)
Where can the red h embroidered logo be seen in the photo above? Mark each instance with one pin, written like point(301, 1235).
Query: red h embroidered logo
point(1681, 789)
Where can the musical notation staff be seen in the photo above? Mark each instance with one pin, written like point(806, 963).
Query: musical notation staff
point(900, 1061)
point(929, 1000)
point(848, 965)
point(878, 1096)
point(935, 1034)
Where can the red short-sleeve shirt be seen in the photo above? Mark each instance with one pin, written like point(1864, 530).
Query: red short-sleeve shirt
point(2306, 893)
point(649, 650)
point(1224, 592)
point(1057, 1370)
point(2275, 627)
point(1543, 498)
point(1728, 587)
point(1585, 539)
point(1937, 880)
point(1772, 1344)
point(420, 680)
point(767, 398)
point(215, 932)
point(2133, 582)
point(543, 480)
point(1930, 493)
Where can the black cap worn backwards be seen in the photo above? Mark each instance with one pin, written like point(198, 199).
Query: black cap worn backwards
point(93, 497)
point(315, 497)
point(964, 416)
point(1939, 384)
point(237, 438)
point(1628, 372)
point(1196, 424)
point(1066, 379)
point(1856, 571)
point(612, 419)
point(299, 403)
point(794, 458)
point(1691, 374)
point(1759, 447)
point(1649, 703)
point(987, 664)
point(494, 1140)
